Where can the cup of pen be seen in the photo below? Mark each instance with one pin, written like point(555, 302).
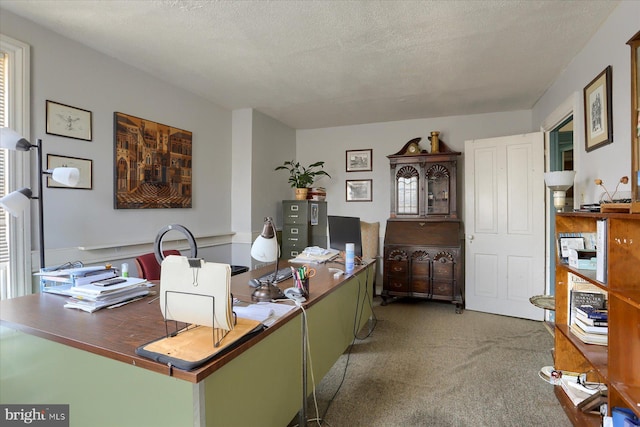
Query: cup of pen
point(305, 287)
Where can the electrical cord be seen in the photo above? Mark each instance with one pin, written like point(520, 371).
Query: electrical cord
point(355, 337)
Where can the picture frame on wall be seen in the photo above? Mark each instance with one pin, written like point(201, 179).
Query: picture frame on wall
point(359, 160)
point(70, 122)
point(163, 179)
point(85, 166)
point(598, 115)
point(359, 190)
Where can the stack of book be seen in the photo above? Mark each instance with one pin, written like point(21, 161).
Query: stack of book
point(93, 297)
point(590, 324)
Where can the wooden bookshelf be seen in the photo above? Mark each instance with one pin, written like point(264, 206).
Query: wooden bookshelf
point(616, 364)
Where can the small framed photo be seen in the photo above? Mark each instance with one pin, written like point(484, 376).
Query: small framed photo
point(359, 160)
point(359, 190)
point(72, 122)
point(598, 116)
point(85, 166)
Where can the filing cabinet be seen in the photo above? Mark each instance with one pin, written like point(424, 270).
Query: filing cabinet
point(304, 224)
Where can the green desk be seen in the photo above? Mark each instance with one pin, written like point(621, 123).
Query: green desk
point(53, 355)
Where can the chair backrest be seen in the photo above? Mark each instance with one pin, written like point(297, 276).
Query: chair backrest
point(369, 232)
point(148, 267)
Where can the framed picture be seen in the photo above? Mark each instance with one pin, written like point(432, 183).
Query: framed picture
point(359, 160)
point(68, 121)
point(598, 121)
point(85, 166)
point(153, 164)
point(359, 190)
point(568, 243)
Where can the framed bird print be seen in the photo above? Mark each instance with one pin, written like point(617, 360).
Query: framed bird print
point(68, 121)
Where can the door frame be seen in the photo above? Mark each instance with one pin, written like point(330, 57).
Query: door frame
point(570, 107)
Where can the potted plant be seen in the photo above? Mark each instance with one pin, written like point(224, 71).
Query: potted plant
point(300, 177)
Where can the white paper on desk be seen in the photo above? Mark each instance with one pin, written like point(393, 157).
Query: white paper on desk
point(94, 290)
point(196, 294)
point(254, 312)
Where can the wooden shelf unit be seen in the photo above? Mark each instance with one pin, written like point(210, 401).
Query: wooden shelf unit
point(617, 364)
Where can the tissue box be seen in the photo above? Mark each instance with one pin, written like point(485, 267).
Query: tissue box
point(582, 259)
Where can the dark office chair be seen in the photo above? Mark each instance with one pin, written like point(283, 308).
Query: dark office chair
point(148, 267)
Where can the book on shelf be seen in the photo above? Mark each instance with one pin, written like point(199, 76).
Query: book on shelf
point(593, 313)
point(588, 337)
point(602, 330)
point(590, 321)
point(601, 250)
point(583, 293)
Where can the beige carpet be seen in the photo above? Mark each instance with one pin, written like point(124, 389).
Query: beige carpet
point(425, 365)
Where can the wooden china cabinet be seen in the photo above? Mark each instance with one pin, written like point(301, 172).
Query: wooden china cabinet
point(423, 253)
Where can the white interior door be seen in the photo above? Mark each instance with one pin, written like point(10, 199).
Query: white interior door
point(504, 223)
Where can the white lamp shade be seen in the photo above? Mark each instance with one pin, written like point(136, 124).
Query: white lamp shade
point(66, 176)
point(265, 250)
point(16, 202)
point(12, 140)
point(559, 180)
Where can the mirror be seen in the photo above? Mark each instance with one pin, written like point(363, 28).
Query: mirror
point(634, 43)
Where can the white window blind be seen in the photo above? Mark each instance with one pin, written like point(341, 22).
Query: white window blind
point(4, 246)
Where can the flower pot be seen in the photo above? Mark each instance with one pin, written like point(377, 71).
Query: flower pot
point(301, 193)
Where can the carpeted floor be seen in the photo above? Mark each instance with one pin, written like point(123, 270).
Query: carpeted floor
point(425, 365)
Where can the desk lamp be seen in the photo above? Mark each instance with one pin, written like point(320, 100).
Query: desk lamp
point(266, 249)
point(16, 202)
point(559, 182)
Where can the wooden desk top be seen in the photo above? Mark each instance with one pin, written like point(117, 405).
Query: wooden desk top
point(116, 333)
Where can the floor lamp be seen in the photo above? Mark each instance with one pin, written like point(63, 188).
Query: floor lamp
point(559, 182)
point(16, 202)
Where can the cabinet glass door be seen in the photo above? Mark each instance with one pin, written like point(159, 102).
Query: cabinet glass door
point(438, 183)
point(407, 187)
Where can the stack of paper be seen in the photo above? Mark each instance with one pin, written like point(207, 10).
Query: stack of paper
point(92, 297)
point(315, 255)
point(60, 281)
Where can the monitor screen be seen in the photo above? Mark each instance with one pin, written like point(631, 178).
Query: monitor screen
point(342, 230)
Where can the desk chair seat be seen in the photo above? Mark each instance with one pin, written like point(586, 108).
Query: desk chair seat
point(148, 267)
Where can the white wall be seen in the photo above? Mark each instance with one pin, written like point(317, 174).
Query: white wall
point(70, 73)
point(330, 145)
point(607, 47)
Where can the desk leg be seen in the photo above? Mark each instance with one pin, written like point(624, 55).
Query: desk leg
point(302, 421)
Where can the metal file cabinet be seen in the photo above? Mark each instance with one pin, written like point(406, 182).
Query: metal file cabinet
point(305, 224)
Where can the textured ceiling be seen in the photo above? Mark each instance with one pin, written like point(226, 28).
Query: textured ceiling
point(316, 64)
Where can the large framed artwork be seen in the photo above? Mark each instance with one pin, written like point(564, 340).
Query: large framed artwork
point(152, 164)
point(598, 117)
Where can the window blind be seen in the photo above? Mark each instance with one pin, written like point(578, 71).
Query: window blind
point(4, 247)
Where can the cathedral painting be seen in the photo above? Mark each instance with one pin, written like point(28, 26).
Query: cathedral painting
point(152, 164)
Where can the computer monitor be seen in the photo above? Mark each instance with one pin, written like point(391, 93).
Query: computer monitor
point(342, 230)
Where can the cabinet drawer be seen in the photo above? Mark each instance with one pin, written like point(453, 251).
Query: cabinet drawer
point(290, 252)
point(397, 284)
point(295, 212)
point(420, 284)
point(420, 268)
point(442, 288)
point(397, 267)
point(295, 233)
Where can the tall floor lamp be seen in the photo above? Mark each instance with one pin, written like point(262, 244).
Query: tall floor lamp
point(17, 201)
point(559, 182)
